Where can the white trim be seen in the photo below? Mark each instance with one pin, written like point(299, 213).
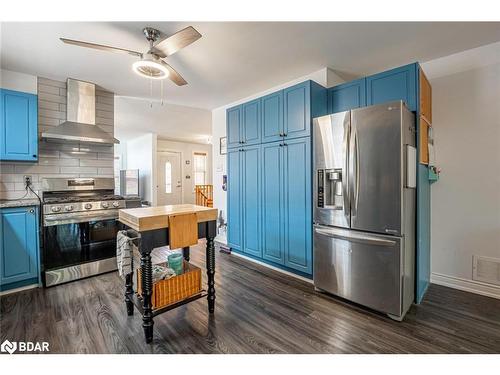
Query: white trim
point(273, 268)
point(472, 286)
point(20, 289)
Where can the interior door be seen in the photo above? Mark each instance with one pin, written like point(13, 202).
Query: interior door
point(375, 168)
point(169, 188)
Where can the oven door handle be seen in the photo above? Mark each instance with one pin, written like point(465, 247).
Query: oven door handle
point(60, 219)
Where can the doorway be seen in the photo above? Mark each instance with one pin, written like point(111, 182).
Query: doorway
point(169, 188)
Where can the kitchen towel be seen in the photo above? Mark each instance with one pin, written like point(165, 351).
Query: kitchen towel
point(125, 253)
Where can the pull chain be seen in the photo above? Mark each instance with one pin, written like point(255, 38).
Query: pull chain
point(161, 93)
point(151, 91)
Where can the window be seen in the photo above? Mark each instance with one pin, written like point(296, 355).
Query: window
point(200, 168)
point(168, 177)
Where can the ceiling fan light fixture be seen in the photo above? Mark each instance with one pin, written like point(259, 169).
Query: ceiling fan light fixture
point(149, 68)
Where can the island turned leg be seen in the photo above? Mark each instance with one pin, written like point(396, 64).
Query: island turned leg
point(211, 271)
point(129, 291)
point(185, 253)
point(147, 291)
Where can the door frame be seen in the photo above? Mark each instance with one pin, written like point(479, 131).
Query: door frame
point(162, 153)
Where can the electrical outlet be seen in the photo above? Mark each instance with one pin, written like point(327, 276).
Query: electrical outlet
point(27, 180)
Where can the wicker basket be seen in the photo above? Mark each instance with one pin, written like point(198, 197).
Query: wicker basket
point(175, 289)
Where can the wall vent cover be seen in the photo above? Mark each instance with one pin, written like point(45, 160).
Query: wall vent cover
point(486, 270)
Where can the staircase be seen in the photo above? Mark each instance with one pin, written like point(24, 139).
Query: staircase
point(204, 195)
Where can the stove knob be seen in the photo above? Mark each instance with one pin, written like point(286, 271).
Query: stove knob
point(87, 206)
point(104, 205)
point(56, 209)
point(68, 208)
point(116, 204)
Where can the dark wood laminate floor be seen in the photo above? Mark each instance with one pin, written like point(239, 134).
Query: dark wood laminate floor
point(257, 311)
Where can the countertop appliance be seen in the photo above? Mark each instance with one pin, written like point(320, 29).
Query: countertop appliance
point(364, 206)
point(129, 182)
point(79, 218)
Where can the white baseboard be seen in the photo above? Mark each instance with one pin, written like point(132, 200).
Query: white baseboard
point(272, 267)
point(466, 285)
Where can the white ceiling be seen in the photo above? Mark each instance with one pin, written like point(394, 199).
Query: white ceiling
point(233, 60)
point(135, 117)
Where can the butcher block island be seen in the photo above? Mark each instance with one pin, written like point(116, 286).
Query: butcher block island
point(178, 226)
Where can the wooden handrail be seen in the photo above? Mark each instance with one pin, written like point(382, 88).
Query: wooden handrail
point(204, 195)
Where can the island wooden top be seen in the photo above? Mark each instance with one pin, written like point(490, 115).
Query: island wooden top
point(149, 218)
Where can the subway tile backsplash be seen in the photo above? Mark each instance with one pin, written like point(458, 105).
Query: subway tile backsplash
point(60, 159)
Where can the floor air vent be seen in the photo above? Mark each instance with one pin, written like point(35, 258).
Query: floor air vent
point(486, 269)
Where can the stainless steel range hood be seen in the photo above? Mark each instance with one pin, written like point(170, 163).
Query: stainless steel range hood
point(80, 125)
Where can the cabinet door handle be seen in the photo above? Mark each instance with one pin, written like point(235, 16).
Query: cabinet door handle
point(284, 134)
point(32, 211)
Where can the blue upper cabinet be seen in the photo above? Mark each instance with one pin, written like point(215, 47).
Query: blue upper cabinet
point(297, 110)
point(347, 96)
point(19, 126)
point(394, 84)
point(18, 247)
point(272, 117)
point(250, 126)
point(234, 136)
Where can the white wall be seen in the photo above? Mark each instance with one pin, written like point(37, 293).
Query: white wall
point(465, 212)
point(325, 77)
point(187, 149)
point(18, 81)
point(141, 154)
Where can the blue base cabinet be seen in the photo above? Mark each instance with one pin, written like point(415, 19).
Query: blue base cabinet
point(269, 184)
point(19, 254)
point(244, 200)
point(18, 126)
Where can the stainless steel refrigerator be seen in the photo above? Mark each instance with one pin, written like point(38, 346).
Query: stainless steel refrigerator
point(364, 206)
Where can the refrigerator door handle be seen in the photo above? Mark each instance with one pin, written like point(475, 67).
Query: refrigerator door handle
point(345, 178)
point(353, 236)
point(354, 169)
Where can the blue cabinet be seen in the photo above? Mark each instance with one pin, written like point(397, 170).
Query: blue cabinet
point(250, 126)
point(234, 182)
point(250, 167)
point(347, 96)
point(233, 120)
point(297, 110)
point(273, 200)
point(286, 204)
point(394, 84)
point(18, 126)
point(297, 205)
point(19, 253)
point(272, 117)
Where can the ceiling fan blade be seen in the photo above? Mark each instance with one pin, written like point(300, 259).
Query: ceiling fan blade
point(170, 45)
point(173, 75)
point(101, 47)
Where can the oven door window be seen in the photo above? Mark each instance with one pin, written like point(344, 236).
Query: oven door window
point(69, 244)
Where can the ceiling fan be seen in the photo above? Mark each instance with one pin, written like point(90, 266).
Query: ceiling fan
point(151, 64)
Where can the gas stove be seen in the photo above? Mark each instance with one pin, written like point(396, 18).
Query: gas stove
point(79, 227)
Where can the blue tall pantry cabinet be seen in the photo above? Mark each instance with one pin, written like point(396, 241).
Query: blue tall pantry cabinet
point(18, 126)
point(269, 184)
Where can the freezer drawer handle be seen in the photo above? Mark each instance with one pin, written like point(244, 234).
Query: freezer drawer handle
point(356, 237)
